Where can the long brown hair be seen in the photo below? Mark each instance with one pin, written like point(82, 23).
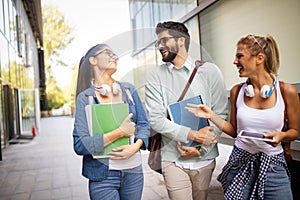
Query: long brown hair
point(85, 70)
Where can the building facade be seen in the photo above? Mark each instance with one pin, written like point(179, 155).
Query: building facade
point(215, 27)
point(21, 64)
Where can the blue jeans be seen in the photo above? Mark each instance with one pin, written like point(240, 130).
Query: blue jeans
point(119, 184)
point(277, 184)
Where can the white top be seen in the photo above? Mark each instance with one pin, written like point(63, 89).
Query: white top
point(132, 162)
point(259, 120)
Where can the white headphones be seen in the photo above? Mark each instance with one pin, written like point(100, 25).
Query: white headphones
point(265, 92)
point(105, 89)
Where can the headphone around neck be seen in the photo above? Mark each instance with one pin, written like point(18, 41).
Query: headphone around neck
point(265, 92)
point(105, 89)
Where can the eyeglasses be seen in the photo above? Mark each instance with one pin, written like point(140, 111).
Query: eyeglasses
point(162, 41)
point(255, 40)
point(107, 52)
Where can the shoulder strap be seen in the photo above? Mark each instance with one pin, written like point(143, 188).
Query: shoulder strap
point(91, 100)
point(198, 63)
point(282, 90)
point(237, 92)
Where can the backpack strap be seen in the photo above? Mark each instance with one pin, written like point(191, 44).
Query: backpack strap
point(91, 100)
point(237, 92)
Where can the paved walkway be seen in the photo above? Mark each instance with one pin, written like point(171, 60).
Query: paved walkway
point(47, 168)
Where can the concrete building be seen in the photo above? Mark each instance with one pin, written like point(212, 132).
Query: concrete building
point(22, 79)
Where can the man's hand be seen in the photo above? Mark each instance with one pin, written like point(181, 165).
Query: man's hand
point(204, 136)
point(188, 152)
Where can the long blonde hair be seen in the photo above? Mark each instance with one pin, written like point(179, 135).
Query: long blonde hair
point(266, 45)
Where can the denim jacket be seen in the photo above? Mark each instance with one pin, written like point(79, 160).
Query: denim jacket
point(85, 144)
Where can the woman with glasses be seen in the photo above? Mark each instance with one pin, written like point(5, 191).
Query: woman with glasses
point(120, 176)
point(257, 168)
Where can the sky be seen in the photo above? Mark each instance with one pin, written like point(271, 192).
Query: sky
point(95, 21)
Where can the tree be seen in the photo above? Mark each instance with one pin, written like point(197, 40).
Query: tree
point(57, 36)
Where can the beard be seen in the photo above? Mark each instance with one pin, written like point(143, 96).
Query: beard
point(172, 53)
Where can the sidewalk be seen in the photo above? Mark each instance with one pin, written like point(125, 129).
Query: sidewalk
point(47, 168)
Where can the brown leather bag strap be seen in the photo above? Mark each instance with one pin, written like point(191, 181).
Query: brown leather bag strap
point(285, 145)
point(198, 63)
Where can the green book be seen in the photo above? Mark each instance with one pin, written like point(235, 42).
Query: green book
point(104, 118)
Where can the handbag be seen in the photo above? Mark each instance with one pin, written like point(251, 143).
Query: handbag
point(155, 139)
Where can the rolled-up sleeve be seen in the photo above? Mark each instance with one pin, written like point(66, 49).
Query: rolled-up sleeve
point(141, 120)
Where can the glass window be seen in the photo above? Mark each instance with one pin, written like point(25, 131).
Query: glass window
point(1, 119)
point(165, 12)
point(4, 59)
point(27, 77)
point(179, 8)
point(195, 48)
point(6, 17)
point(12, 25)
point(156, 12)
point(19, 66)
point(13, 66)
point(1, 17)
point(147, 24)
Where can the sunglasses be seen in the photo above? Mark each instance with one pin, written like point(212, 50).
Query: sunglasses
point(255, 40)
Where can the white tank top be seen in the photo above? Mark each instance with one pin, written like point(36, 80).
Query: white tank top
point(259, 120)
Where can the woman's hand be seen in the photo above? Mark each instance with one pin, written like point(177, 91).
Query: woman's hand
point(278, 136)
point(123, 152)
point(200, 110)
point(126, 151)
point(127, 126)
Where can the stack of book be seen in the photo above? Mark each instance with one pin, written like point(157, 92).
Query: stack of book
point(104, 118)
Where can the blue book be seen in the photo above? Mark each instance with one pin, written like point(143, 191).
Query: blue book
point(181, 116)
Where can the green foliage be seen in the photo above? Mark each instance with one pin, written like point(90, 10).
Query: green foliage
point(57, 36)
point(55, 96)
point(17, 75)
